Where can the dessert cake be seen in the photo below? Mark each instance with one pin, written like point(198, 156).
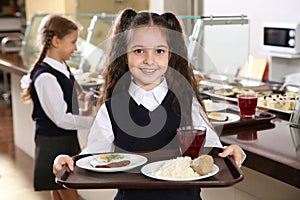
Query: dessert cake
point(278, 101)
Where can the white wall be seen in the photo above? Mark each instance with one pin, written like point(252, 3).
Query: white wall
point(157, 6)
point(258, 11)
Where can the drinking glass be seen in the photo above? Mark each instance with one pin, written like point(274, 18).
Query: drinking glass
point(247, 104)
point(191, 140)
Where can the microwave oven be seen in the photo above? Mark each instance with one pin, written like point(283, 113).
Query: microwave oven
point(282, 37)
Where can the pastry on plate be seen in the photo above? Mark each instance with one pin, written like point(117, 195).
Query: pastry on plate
point(217, 117)
point(225, 92)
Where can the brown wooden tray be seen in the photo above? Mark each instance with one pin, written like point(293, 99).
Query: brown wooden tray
point(260, 118)
point(242, 130)
point(228, 175)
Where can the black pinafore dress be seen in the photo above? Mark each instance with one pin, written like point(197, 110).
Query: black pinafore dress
point(130, 138)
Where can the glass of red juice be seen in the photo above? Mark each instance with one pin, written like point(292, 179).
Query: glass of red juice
point(247, 104)
point(191, 140)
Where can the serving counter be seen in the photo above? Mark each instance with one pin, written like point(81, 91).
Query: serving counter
point(273, 147)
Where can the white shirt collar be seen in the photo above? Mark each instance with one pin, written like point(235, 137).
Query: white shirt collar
point(149, 99)
point(61, 67)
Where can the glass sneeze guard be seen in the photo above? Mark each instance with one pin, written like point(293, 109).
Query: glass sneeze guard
point(216, 44)
point(93, 30)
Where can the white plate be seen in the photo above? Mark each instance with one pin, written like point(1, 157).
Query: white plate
point(135, 161)
point(150, 169)
point(231, 118)
point(217, 107)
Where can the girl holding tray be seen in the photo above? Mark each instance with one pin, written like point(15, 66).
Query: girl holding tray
point(149, 92)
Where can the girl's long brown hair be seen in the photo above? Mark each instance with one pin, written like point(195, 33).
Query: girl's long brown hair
point(54, 25)
point(127, 20)
point(116, 61)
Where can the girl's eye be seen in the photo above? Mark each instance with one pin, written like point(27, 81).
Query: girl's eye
point(138, 51)
point(160, 51)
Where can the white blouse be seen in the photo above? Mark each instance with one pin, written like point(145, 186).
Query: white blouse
point(51, 98)
point(101, 135)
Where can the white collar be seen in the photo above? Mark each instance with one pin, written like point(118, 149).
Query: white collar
point(61, 67)
point(157, 94)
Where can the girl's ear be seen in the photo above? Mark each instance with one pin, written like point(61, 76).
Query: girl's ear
point(55, 41)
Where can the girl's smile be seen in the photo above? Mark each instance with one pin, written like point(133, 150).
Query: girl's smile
point(149, 70)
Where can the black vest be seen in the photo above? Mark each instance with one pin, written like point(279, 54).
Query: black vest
point(137, 129)
point(44, 126)
point(131, 139)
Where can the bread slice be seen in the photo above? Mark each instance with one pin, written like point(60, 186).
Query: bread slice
point(203, 164)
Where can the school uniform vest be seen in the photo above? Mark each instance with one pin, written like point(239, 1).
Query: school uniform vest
point(122, 109)
point(134, 127)
point(44, 126)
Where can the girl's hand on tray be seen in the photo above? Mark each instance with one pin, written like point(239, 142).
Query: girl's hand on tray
point(236, 152)
point(60, 161)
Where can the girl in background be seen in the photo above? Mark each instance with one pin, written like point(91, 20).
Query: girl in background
point(148, 80)
point(50, 86)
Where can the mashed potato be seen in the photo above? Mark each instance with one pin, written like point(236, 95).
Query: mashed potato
point(177, 168)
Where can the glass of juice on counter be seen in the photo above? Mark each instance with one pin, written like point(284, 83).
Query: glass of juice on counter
point(191, 140)
point(247, 103)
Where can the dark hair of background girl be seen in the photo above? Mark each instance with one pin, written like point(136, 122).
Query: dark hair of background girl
point(54, 25)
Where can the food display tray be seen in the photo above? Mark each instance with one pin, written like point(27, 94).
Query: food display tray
point(229, 174)
point(234, 99)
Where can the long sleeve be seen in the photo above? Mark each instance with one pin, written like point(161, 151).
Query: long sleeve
point(51, 98)
point(101, 136)
point(212, 139)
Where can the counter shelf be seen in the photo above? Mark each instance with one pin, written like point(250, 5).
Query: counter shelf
point(13, 63)
point(228, 175)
